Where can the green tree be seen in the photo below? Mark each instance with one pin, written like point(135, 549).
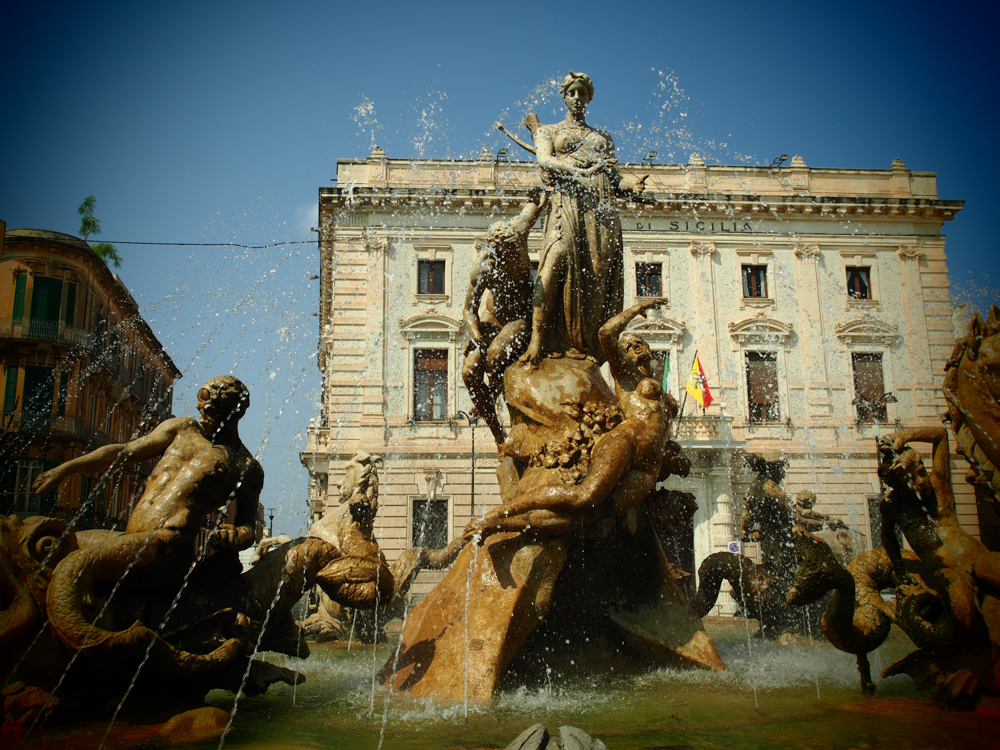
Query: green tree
point(90, 224)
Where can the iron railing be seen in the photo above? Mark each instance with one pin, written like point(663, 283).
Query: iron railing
point(44, 330)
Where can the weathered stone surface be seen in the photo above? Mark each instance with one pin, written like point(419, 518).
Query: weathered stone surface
point(196, 725)
point(537, 737)
point(477, 618)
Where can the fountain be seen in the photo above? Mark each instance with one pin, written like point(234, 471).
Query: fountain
point(573, 600)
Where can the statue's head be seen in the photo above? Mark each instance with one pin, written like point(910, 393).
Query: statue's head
point(222, 399)
point(903, 470)
point(638, 352)
point(577, 90)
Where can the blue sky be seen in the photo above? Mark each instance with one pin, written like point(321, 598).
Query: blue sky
point(218, 122)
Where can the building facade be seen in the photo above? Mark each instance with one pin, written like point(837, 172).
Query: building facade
point(816, 300)
point(81, 369)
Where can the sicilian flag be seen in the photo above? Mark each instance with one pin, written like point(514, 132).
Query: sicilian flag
point(697, 384)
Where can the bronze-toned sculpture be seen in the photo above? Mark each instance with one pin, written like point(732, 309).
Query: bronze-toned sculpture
point(626, 462)
point(148, 607)
point(947, 598)
point(580, 284)
point(972, 390)
point(501, 279)
point(769, 516)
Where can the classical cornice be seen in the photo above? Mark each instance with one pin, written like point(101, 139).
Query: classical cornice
point(665, 330)
point(760, 329)
point(430, 326)
point(866, 330)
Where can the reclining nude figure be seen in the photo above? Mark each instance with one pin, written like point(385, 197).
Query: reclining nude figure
point(502, 275)
point(204, 467)
point(626, 462)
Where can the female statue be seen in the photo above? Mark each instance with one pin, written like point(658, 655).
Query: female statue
point(581, 262)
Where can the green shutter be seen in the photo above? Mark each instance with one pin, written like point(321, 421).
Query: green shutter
point(45, 299)
point(63, 392)
point(10, 393)
point(70, 312)
point(19, 287)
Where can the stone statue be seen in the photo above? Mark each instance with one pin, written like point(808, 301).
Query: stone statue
point(580, 282)
point(148, 607)
point(769, 517)
point(626, 462)
point(500, 283)
point(568, 575)
point(330, 621)
point(947, 599)
point(972, 389)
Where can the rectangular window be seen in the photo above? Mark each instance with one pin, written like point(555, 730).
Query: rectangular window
point(648, 279)
point(27, 503)
point(430, 384)
point(859, 282)
point(762, 386)
point(869, 385)
point(534, 272)
point(754, 281)
point(39, 389)
point(46, 297)
point(430, 277)
point(430, 523)
point(19, 286)
point(92, 413)
point(10, 390)
point(661, 368)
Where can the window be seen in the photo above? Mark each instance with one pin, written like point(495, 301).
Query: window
point(762, 386)
point(869, 385)
point(26, 502)
point(661, 368)
point(45, 300)
point(430, 277)
point(859, 282)
point(754, 281)
point(430, 384)
point(36, 408)
point(648, 279)
point(430, 523)
point(534, 273)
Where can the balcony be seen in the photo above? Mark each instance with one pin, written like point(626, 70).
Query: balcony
point(45, 424)
point(44, 330)
point(704, 432)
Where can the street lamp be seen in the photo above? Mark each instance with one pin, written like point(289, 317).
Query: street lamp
point(270, 530)
point(473, 421)
point(870, 405)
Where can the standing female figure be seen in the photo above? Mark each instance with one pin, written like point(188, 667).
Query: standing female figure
point(580, 277)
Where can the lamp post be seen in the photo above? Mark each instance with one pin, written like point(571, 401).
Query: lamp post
point(473, 422)
point(270, 528)
point(871, 404)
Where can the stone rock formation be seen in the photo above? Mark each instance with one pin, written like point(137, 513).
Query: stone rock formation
point(537, 737)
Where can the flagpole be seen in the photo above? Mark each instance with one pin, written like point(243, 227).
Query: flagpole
point(680, 415)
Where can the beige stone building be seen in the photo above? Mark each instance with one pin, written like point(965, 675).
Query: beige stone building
point(808, 294)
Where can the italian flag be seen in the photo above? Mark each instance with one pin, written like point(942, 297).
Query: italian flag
point(697, 384)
